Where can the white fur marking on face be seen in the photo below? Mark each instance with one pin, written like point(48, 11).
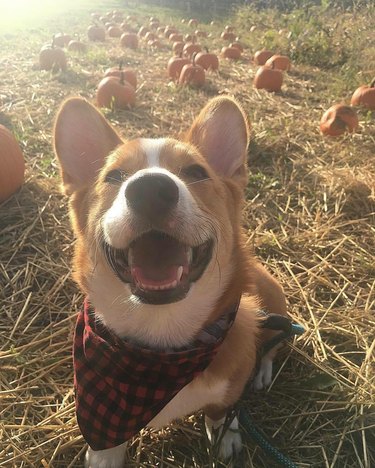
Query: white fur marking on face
point(152, 148)
point(231, 442)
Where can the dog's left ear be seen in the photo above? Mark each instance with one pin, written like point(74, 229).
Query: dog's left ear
point(221, 133)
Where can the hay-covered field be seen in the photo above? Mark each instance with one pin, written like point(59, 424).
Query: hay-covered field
point(309, 217)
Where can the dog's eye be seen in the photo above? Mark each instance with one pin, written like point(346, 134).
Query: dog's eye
point(116, 176)
point(196, 172)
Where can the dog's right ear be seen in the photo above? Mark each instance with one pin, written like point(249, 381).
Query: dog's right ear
point(82, 139)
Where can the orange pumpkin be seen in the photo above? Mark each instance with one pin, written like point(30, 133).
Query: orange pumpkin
point(143, 30)
point(114, 31)
point(127, 74)
point(190, 49)
point(52, 58)
point(238, 45)
point(200, 33)
point(154, 44)
point(233, 53)
point(228, 36)
point(207, 61)
point(168, 30)
point(193, 22)
point(76, 45)
point(338, 119)
point(178, 47)
point(96, 33)
point(229, 28)
point(175, 65)
point(261, 56)
point(190, 38)
point(12, 164)
point(174, 37)
point(268, 79)
point(61, 39)
point(150, 36)
point(115, 92)
point(279, 62)
point(126, 27)
point(364, 96)
point(129, 40)
point(192, 75)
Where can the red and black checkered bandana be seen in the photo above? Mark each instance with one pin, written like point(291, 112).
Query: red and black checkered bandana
point(120, 387)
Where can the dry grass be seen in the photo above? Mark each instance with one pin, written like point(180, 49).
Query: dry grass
point(309, 216)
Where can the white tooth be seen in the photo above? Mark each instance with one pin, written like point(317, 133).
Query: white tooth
point(180, 270)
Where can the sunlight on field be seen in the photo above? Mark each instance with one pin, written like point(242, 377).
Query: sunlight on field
point(18, 14)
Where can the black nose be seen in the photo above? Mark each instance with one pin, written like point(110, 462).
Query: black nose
point(152, 195)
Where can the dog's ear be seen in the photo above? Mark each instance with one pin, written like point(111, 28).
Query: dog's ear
point(83, 139)
point(221, 133)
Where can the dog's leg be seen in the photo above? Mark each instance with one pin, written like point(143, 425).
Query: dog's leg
point(109, 458)
point(230, 442)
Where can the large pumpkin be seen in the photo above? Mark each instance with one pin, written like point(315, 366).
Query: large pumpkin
point(52, 58)
point(338, 119)
point(192, 75)
point(115, 92)
point(279, 62)
point(207, 61)
point(261, 56)
point(268, 79)
point(12, 164)
point(364, 96)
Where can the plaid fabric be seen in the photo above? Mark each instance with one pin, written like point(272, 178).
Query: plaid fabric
point(121, 387)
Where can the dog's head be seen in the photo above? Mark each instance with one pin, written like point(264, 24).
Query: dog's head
point(157, 220)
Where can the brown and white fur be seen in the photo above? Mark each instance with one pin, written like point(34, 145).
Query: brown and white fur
point(208, 205)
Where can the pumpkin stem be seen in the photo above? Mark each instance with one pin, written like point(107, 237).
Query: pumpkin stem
point(121, 65)
point(372, 85)
point(122, 78)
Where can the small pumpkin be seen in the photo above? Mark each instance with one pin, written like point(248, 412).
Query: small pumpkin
point(115, 92)
point(126, 27)
point(364, 96)
point(175, 37)
point(200, 33)
point(129, 40)
point(192, 75)
point(228, 36)
point(190, 48)
point(268, 79)
point(175, 65)
point(238, 45)
point(150, 36)
point(12, 164)
point(52, 58)
point(207, 61)
point(233, 53)
point(127, 74)
point(154, 44)
point(339, 119)
point(61, 39)
point(168, 30)
point(279, 62)
point(143, 30)
point(178, 47)
point(261, 56)
point(75, 45)
point(154, 25)
point(229, 28)
point(96, 33)
point(193, 22)
point(190, 38)
point(114, 31)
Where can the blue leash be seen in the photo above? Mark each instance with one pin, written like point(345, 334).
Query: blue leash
point(289, 329)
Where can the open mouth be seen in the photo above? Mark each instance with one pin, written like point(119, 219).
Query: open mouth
point(159, 268)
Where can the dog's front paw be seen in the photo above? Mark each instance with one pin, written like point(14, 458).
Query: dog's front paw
point(230, 443)
point(263, 378)
point(109, 458)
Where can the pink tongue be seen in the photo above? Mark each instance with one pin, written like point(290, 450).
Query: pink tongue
point(151, 276)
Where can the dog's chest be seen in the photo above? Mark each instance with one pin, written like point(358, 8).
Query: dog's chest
point(193, 397)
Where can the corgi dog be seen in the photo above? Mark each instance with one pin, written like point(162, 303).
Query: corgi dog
point(161, 256)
